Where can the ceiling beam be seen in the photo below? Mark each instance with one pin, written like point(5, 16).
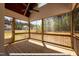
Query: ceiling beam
point(26, 9)
point(74, 6)
point(35, 10)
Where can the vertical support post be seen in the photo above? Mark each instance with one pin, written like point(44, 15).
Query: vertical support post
point(42, 30)
point(72, 29)
point(72, 25)
point(13, 30)
point(43, 33)
point(29, 27)
point(74, 43)
point(2, 50)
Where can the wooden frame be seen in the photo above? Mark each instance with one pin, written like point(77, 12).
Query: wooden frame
point(42, 30)
point(75, 38)
point(43, 41)
point(42, 33)
point(50, 43)
point(52, 34)
point(13, 30)
point(72, 25)
point(69, 35)
point(26, 9)
point(72, 29)
point(22, 33)
point(29, 28)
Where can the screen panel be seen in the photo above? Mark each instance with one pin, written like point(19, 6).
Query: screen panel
point(59, 28)
point(76, 22)
point(57, 24)
point(36, 29)
point(7, 29)
point(76, 31)
point(21, 29)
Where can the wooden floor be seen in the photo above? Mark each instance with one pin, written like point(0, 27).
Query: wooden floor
point(33, 46)
point(27, 47)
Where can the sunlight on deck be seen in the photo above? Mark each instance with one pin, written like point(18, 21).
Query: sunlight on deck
point(54, 47)
point(67, 51)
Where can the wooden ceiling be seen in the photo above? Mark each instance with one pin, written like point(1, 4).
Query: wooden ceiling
point(21, 8)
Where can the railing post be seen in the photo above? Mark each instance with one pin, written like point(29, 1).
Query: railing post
point(42, 30)
point(29, 27)
point(72, 29)
point(72, 25)
point(13, 30)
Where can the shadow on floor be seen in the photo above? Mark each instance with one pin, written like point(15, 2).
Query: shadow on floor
point(25, 46)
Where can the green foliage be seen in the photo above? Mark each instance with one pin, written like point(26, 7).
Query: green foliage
point(76, 20)
point(57, 23)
